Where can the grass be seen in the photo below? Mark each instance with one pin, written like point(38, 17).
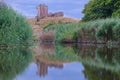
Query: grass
point(103, 30)
point(65, 32)
point(14, 28)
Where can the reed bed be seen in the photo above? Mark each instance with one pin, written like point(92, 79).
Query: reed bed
point(99, 31)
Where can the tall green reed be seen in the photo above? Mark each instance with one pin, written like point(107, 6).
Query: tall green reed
point(14, 28)
point(99, 30)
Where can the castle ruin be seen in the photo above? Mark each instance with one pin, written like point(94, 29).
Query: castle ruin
point(43, 12)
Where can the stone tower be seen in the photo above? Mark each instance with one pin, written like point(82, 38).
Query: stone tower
point(42, 11)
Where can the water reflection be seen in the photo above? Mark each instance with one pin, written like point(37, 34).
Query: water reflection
point(95, 73)
point(43, 67)
point(13, 61)
point(61, 62)
point(71, 71)
point(100, 62)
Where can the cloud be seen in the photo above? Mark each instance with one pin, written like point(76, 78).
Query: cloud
point(65, 1)
point(69, 7)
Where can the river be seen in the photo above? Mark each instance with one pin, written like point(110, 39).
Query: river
point(60, 62)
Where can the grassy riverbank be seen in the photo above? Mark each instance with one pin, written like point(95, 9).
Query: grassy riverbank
point(101, 31)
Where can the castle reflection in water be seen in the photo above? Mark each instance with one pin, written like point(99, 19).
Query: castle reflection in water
point(43, 67)
point(43, 62)
point(93, 57)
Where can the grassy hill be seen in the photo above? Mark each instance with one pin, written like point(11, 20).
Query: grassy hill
point(39, 25)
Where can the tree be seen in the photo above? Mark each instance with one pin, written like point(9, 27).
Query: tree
point(116, 12)
point(101, 9)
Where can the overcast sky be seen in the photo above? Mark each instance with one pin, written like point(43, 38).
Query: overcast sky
point(71, 8)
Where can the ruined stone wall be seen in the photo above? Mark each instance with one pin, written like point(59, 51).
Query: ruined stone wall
point(57, 14)
point(43, 12)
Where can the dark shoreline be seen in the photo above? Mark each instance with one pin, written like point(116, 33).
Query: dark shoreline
point(83, 43)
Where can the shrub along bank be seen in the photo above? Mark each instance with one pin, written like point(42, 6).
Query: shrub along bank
point(14, 28)
point(104, 30)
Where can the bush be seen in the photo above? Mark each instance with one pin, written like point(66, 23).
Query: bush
point(14, 28)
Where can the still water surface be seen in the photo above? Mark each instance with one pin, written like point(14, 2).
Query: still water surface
point(71, 71)
point(60, 62)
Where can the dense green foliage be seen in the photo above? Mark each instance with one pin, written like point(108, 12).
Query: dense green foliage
point(101, 9)
point(13, 61)
point(103, 30)
point(94, 73)
point(14, 28)
point(15, 37)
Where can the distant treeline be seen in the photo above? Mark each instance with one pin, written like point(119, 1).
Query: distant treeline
point(101, 9)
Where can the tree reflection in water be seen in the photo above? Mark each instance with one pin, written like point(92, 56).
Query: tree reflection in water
point(94, 73)
point(100, 62)
point(13, 61)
